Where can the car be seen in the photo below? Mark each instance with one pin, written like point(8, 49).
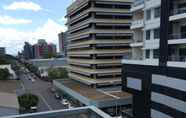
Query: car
point(53, 90)
point(33, 80)
point(57, 96)
point(65, 102)
point(33, 109)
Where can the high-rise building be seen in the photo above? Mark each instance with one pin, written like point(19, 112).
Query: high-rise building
point(28, 51)
point(2, 51)
point(63, 43)
point(155, 74)
point(44, 50)
point(99, 36)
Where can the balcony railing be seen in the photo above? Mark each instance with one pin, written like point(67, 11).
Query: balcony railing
point(130, 57)
point(178, 11)
point(178, 36)
point(177, 58)
point(138, 2)
point(137, 24)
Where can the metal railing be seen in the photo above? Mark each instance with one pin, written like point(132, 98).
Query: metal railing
point(177, 58)
point(137, 22)
point(178, 11)
point(138, 2)
point(177, 36)
point(130, 57)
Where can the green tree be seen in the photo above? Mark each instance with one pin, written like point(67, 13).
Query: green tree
point(60, 73)
point(4, 74)
point(3, 60)
point(27, 101)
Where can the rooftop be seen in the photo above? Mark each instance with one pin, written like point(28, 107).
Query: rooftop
point(93, 96)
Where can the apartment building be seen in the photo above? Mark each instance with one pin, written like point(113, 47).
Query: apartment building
point(99, 35)
point(43, 50)
point(63, 43)
point(2, 51)
point(155, 74)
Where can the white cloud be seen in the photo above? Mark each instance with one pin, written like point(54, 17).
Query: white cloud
point(23, 6)
point(14, 40)
point(7, 20)
point(63, 19)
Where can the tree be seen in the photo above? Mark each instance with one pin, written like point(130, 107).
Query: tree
point(27, 101)
point(3, 60)
point(4, 74)
point(60, 73)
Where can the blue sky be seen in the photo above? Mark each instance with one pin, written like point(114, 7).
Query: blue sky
point(29, 20)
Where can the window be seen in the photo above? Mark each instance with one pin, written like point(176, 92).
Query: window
point(148, 35)
point(157, 33)
point(157, 12)
point(147, 54)
point(156, 53)
point(148, 14)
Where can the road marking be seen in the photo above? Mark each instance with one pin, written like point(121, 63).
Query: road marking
point(49, 107)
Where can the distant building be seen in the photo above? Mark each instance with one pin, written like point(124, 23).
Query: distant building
point(44, 50)
point(28, 51)
point(45, 64)
point(63, 43)
point(2, 51)
point(13, 75)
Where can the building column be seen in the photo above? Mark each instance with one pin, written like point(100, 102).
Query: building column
point(164, 32)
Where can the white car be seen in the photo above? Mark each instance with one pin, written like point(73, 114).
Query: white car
point(65, 102)
point(33, 80)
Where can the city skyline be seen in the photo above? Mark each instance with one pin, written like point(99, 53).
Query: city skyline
point(29, 21)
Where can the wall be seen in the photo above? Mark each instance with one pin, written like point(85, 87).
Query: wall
point(162, 93)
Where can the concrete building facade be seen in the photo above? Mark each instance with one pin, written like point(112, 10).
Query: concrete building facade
point(2, 51)
point(156, 75)
point(99, 36)
point(28, 51)
point(44, 50)
point(63, 43)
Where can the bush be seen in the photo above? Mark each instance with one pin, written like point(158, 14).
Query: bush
point(4, 74)
point(60, 73)
point(3, 60)
point(27, 101)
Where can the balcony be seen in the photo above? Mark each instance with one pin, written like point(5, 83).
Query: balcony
point(83, 112)
point(137, 24)
point(138, 5)
point(137, 44)
point(177, 61)
point(139, 61)
point(179, 38)
point(178, 13)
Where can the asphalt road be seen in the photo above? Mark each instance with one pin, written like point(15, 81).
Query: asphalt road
point(40, 88)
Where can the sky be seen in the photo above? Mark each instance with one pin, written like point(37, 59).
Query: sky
point(30, 20)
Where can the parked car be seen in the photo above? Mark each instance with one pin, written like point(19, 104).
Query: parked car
point(57, 96)
point(33, 80)
point(53, 90)
point(33, 109)
point(65, 102)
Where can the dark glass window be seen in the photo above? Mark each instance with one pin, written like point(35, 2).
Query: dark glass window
point(147, 54)
point(157, 33)
point(148, 35)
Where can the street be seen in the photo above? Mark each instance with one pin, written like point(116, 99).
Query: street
point(42, 89)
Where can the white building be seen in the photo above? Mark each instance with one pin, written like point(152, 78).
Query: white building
point(155, 75)
point(146, 29)
point(11, 71)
